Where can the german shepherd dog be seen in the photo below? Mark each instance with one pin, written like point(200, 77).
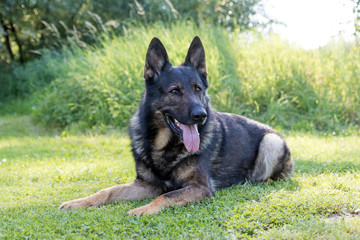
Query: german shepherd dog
point(184, 150)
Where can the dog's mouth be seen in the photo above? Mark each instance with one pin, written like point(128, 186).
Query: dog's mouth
point(188, 133)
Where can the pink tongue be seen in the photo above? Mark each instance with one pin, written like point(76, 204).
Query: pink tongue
point(191, 137)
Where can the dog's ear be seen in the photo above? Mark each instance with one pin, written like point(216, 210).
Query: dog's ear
point(156, 59)
point(196, 56)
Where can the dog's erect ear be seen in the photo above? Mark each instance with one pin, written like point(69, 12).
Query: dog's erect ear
point(196, 56)
point(156, 59)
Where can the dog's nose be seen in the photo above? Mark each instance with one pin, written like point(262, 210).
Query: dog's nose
point(198, 115)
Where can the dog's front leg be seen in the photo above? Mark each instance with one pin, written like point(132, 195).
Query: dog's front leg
point(132, 191)
point(178, 197)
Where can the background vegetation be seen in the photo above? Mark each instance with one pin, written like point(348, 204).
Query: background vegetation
point(92, 56)
point(30, 25)
point(69, 80)
point(261, 77)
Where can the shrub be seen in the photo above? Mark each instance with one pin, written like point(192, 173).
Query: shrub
point(265, 78)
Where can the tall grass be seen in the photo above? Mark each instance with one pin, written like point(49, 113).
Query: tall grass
point(265, 78)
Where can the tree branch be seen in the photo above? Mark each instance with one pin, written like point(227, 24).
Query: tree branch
point(12, 28)
point(7, 38)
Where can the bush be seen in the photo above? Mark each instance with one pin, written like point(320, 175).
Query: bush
point(20, 80)
point(264, 78)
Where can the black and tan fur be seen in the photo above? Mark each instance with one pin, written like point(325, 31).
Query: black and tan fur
point(175, 107)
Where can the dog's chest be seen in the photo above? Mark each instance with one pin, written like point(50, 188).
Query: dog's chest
point(164, 159)
point(165, 162)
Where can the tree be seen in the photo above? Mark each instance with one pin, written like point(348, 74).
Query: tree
point(7, 9)
point(30, 25)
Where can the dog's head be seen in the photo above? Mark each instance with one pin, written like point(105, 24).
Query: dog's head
point(178, 93)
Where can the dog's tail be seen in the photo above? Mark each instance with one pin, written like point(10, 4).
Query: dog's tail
point(274, 160)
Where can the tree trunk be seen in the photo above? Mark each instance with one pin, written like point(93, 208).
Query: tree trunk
point(12, 28)
point(7, 39)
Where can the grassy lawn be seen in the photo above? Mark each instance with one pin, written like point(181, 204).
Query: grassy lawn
point(41, 168)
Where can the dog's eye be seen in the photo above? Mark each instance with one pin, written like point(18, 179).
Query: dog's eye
point(197, 89)
point(174, 90)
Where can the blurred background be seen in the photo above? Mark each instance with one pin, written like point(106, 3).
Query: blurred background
point(78, 64)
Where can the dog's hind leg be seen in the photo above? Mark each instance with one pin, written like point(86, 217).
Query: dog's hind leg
point(273, 161)
point(132, 191)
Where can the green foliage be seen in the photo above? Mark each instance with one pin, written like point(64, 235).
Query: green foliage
point(39, 24)
point(35, 24)
point(260, 77)
point(98, 87)
point(39, 170)
point(296, 88)
point(356, 12)
point(21, 80)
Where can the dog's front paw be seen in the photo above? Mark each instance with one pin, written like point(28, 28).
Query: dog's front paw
point(146, 209)
point(75, 204)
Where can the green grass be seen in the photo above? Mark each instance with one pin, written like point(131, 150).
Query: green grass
point(91, 93)
point(40, 168)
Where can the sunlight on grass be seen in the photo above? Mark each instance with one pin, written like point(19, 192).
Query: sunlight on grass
point(42, 170)
point(316, 154)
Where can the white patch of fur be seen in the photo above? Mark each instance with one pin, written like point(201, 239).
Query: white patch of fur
point(212, 184)
point(270, 150)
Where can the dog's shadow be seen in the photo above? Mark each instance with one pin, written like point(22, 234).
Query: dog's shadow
point(228, 199)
